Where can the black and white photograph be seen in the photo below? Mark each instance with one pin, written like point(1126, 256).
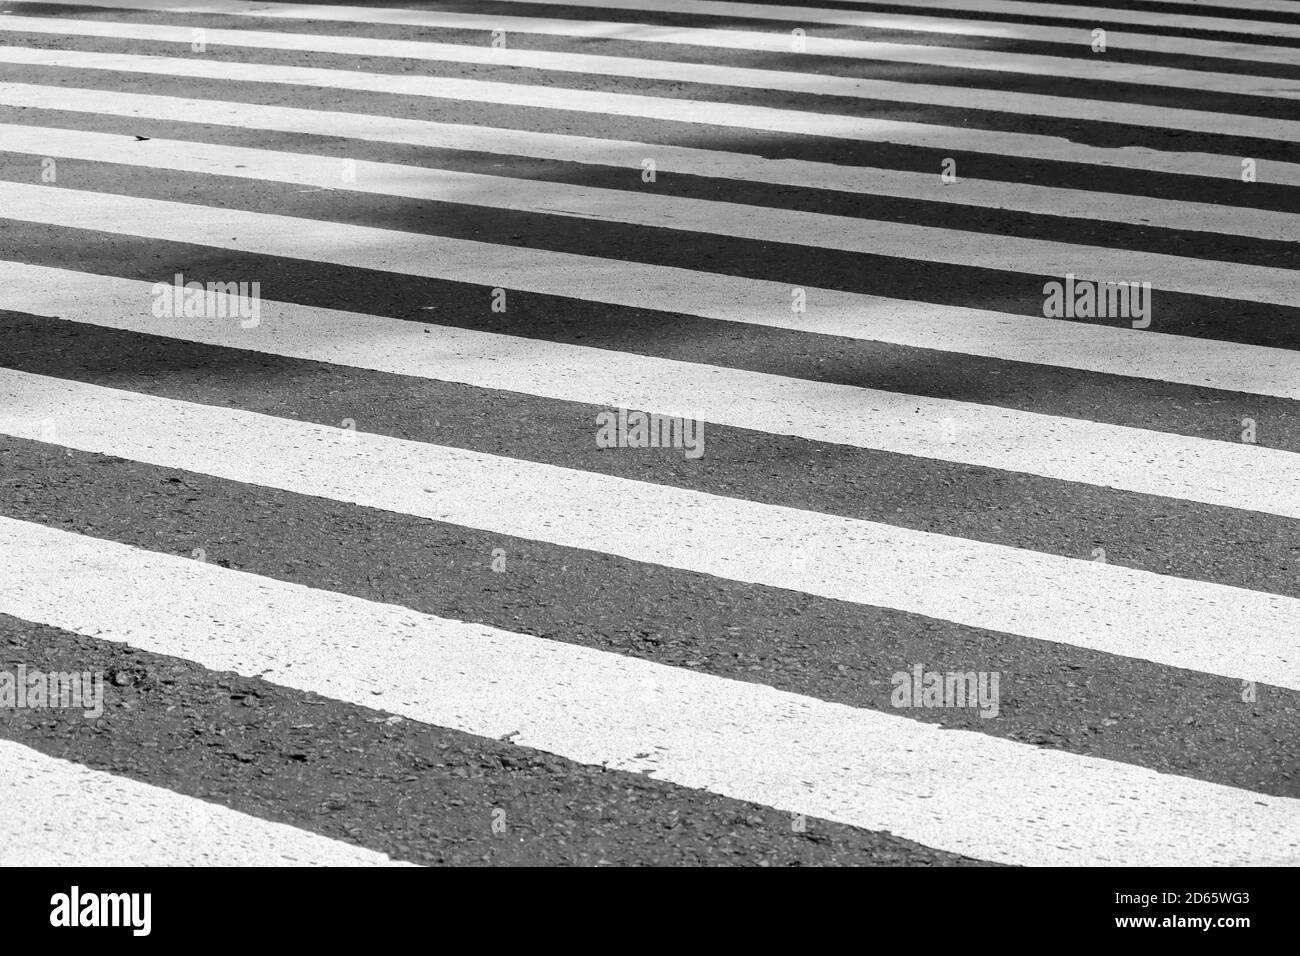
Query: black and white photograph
point(650, 434)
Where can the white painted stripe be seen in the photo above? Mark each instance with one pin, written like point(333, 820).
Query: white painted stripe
point(854, 18)
point(1036, 257)
point(1096, 16)
point(58, 813)
point(597, 376)
point(1020, 197)
point(1080, 38)
point(837, 126)
point(957, 790)
point(1005, 101)
point(661, 288)
point(1177, 622)
point(1091, 68)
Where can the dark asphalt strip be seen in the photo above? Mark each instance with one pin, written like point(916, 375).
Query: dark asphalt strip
point(1171, 9)
point(1228, 190)
point(418, 793)
point(1149, 404)
point(1093, 232)
point(1052, 695)
point(791, 61)
point(800, 266)
point(1176, 9)
point(1090, 132)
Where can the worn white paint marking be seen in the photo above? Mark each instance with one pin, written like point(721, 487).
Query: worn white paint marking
point(1035, 257)
point(58, 813)
point(1179, 622)
point(1004, 101)
point(808, 19)
point(669, 289)
point(1019, 197)
point(955, 790)
point(794, 122)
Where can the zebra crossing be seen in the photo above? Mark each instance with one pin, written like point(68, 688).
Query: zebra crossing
point(367, 588)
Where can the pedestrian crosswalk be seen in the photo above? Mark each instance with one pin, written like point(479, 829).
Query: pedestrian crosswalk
point(747, 740)
point(712, 163)
point(791, 227)
point(990, 144)
point(644, 69)
point(369, 589)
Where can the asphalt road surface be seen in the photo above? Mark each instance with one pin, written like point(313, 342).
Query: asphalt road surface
point(966, 530)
